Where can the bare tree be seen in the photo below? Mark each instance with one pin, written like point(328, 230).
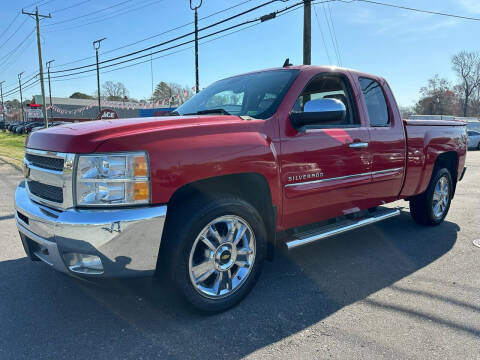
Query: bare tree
point(467, 67)
point(114, 91)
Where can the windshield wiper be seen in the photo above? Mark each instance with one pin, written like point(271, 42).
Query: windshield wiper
point(211, 111)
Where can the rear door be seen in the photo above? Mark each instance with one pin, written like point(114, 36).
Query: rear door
point(387, 138)
point(325, 168)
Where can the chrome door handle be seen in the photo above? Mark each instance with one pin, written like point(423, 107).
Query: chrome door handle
point(358, 145)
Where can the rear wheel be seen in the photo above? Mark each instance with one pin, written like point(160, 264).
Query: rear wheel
point(215, 252)
point(431, 207)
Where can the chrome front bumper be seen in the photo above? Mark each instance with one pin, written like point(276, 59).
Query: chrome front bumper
point(127, 241)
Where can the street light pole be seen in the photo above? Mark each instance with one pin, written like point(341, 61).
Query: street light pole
point(50, 88)
point(3, 109)
point(96, 46)
point(21, 97)
point(195, 8)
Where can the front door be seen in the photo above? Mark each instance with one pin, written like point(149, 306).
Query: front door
point(325, 168)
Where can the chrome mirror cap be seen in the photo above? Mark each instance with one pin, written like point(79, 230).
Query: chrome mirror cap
point(324, 105)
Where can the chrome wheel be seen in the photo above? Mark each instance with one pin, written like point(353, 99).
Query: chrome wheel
point(441, 197)
point(222, 257)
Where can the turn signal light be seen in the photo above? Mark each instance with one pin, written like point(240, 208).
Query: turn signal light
point(140, 167)
point(140, 191)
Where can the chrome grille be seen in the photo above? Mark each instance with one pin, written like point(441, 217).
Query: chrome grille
point(48, 177)
point(48, 192)
point(45, 162)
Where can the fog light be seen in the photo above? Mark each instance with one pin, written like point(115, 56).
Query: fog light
point(84, 263)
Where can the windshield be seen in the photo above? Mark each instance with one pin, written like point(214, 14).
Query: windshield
point(257, 95)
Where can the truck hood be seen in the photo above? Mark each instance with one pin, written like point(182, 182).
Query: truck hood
point(85, 137)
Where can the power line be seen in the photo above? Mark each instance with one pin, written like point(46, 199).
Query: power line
point(11, 23)
point(331, 34)
point(25, 82)
point(161, 56)
point(69, 7)
point(16, 48)
point(252, 22)
point(334, 34)
point(415, 9)
point(24, 21)
point(5, 64)
point(33, 74)
point(11, 92)
point(258, 19)
point(171, 40)
point(323, 37)
point(88, 14)
point(114, 14)
point(152, 36)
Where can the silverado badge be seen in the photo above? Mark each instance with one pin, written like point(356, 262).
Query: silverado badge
point(301, 177)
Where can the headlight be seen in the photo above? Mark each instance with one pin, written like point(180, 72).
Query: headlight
point(112, 179)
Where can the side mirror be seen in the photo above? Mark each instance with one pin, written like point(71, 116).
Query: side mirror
point(319, 111)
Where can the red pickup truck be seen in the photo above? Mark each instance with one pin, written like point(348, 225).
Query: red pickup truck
point(282, 156)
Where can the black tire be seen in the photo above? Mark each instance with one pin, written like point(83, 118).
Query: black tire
point(422, 206)
point(184, 225)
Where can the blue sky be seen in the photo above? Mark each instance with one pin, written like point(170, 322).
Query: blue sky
point(405, 47)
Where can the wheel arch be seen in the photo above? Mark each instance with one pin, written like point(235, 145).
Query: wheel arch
point(251, 187)
point(448, 160)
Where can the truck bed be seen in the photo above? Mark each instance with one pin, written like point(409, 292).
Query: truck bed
point(426, 140)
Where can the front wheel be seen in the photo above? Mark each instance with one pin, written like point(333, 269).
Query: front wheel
point(215, 252)
point(431, 207)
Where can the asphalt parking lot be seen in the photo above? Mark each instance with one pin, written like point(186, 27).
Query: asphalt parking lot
point(392, 290)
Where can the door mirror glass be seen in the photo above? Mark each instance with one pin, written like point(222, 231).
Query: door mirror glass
point(320, 111)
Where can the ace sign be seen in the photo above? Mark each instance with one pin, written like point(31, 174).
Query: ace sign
point(107, 114)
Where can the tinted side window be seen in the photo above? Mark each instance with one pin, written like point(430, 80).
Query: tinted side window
point(375, 101)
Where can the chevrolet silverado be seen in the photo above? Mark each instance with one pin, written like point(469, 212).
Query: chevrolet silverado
point(284, 156)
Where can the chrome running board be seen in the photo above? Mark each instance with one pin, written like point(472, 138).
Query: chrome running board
point(326, 231)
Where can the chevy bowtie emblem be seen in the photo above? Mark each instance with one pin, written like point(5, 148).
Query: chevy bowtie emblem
point(26, 170)
point(225, 256)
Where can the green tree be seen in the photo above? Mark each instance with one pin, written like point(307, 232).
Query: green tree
point(437, 98)
point(79, 95)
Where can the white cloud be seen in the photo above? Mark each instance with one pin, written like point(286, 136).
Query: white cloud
point(402, 23)
point(472, 6)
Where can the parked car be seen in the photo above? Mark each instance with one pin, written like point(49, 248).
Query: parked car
point(52, 124)
point(473, 139)
point(20, 129)
point(201, 198)
point(28, 128)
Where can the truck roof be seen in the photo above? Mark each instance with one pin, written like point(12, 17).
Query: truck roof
point(317, 68)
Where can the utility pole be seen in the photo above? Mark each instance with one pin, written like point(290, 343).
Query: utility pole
point(40, 61)
point(3, 109)
point(307, 32)
point(195, 8)
point(21, 97)
point(50, 88)
point(96, 46)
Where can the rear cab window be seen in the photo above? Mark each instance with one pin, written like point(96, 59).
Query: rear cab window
point(374, 97)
